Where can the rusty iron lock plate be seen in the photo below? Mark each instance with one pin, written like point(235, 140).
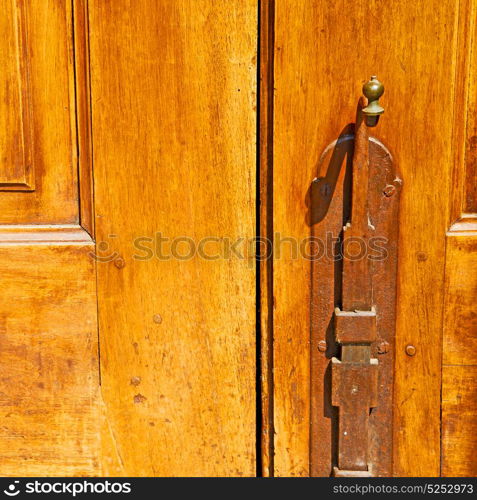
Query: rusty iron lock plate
point(355, 213)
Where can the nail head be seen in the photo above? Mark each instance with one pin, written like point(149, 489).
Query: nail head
point(157, 318)
point(383, 347)
point(389, 190)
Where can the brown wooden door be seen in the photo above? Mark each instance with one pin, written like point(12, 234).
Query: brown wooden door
point(424, 52)
point(117, 360)
point(145, 145)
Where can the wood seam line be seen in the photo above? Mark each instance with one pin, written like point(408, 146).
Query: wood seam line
point(266, 56)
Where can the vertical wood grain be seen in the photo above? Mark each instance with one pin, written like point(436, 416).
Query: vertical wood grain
point(465, 121)
point(16, 134)
point(470, 188)
point(459, 418)
point(319, 70)
point(459, 425)
point(460, 310)
point(459, 373)
point(83, 114)
point(174, 130)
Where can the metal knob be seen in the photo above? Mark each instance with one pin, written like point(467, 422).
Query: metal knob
point(373, 90)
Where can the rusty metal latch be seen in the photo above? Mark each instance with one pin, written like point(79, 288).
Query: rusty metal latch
point(355, 377)
point(363, 312)
point(354, 388)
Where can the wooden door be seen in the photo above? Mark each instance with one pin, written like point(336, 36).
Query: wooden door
point(152, 104)
point(145, 145)
point(321, 53)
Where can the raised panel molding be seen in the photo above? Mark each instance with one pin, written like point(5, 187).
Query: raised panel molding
point(38, 123)
point(16, 133)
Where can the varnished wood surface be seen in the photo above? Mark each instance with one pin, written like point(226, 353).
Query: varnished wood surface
point(16, 133)
point(174, 130)
point(464, 142)
point(319, 71)
point(49, 370)
point(460, 317)
point(459, 401)
point(46, 61)
point(83, 114)
point(470, 186)
point(459, 375)
point(459, 422)
point(40, 234)
point(49, 363)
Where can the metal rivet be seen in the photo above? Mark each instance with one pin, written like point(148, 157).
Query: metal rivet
point(389, 190)
point(119, 262)
point(410, 350)
point(383, 347)
point(157, 318)
point(322, 345)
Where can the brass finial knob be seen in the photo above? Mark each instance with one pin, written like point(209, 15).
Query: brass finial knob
point(373, 90)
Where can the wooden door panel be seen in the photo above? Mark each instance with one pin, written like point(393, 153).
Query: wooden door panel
point(49, 364)
point(38, 170)
point(48, 331)
point(460, 319)
point(459, 370)
point(16, 128)
point(459, 429)
point(174, 121)
point(459, 359)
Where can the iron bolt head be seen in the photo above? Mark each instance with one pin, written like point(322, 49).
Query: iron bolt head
point(410, 350)
point(389, 190)
point(383, 347)
point(322, 345)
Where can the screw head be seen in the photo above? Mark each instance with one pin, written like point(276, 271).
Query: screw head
point(322, 345)
point(389, 190)
point(410, 350)
point(383, 347)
